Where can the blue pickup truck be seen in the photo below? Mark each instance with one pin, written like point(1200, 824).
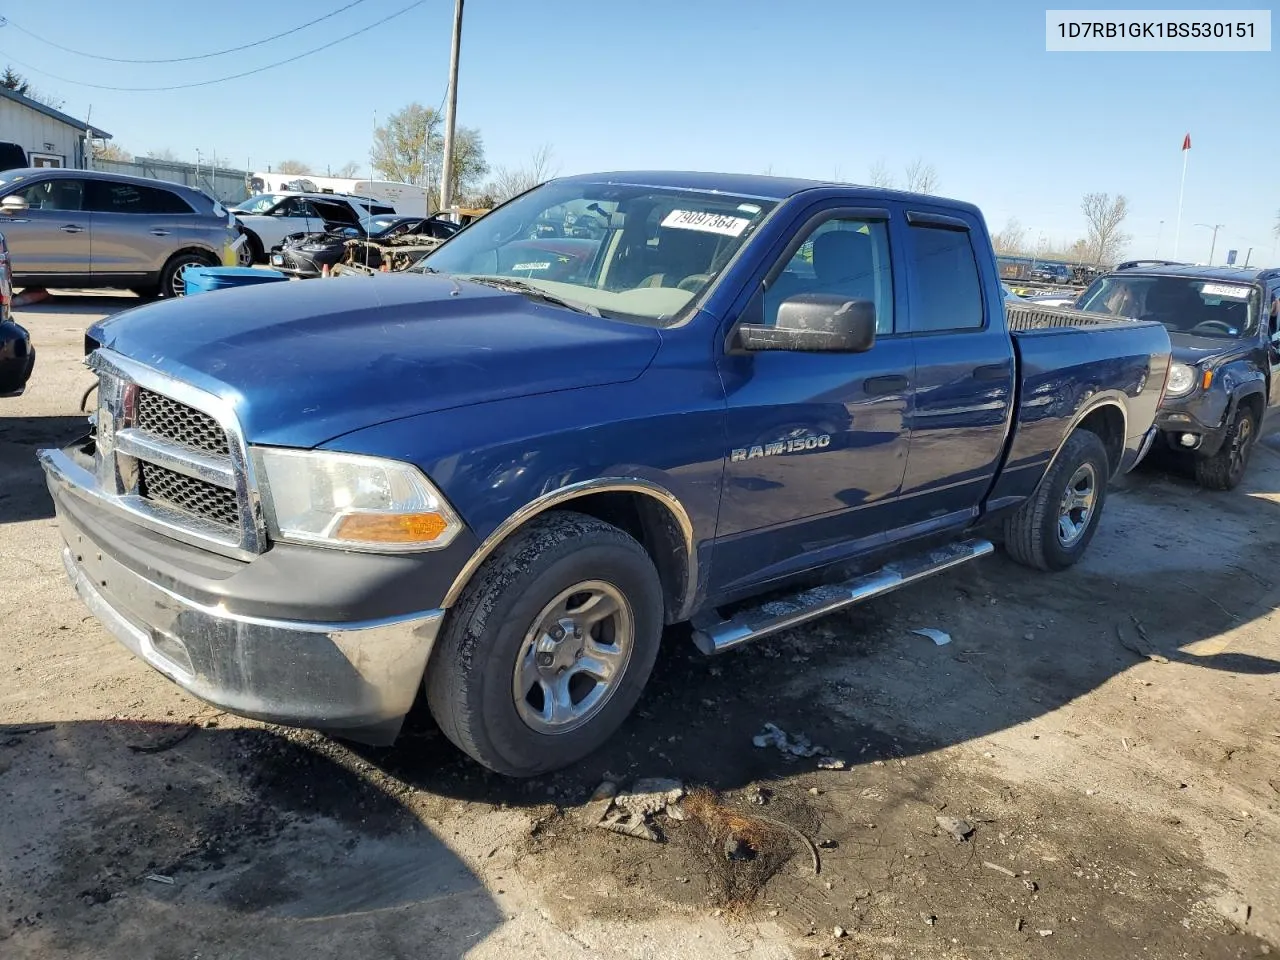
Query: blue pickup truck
point(739, 402)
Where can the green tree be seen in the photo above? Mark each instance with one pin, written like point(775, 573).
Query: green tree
point(12, 80)
point(409, 148)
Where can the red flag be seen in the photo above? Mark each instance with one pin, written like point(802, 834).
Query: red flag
point(1186, 142)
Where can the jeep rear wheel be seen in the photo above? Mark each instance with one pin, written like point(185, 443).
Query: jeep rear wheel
point(550, 646)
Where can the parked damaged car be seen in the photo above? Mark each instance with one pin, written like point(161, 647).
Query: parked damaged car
point(1224, 324)
point(17, 356)
point(305, 255)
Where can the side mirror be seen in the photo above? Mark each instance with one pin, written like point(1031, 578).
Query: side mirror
point(14, 204)
point(813, 323)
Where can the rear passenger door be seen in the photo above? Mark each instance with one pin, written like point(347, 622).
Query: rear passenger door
point(964, 371)
point(135, 227)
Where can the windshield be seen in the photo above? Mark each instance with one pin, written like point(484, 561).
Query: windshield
point(627, 251)
point(1205, 308)
point(259, 204)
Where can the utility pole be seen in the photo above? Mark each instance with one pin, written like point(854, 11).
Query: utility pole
point(1215, 227)
point(450, 113)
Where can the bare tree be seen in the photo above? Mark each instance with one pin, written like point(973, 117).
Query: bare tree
point(1012, 239)
point(921, 177)
point(1104, 215)
point(879, 175)
point(102, 150)
point(164, 153)
point(1276, 229)
point(296, 167)
point(507, 182)
point(348, 170)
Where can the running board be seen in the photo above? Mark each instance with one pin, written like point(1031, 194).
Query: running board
point(713, 635)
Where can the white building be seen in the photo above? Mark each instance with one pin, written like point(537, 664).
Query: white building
point(50, 137)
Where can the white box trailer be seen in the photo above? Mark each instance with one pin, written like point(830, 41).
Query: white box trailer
point(407, 198)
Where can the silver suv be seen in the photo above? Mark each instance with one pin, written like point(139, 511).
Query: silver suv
point(83, 228)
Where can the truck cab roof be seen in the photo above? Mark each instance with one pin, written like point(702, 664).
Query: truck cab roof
point(757, 186)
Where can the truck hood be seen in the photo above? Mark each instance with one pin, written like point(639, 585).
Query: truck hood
point(306, 361)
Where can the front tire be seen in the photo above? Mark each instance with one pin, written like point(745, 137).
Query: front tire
point(1052, 529)
point(1225, 469)
point(550, 646)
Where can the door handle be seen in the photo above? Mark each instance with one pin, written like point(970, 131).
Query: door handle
point(879, 386)
point(157, 232)
point(991, 371)
point(71, 228)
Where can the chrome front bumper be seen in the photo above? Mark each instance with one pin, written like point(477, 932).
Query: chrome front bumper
point(355, 678)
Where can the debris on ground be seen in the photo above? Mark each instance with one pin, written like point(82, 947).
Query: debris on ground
point(929, 918)
point(939, 637)
point(838, 932)
point(628, 812)
point(649, 796)
point(735, 848)
point(759, 795)
point(161, 744)
point(157, 878)
point(832, 763)
point(960, 829)
point(630, 826)
point(1045, 933)
point(797, 745)
point(998, 869)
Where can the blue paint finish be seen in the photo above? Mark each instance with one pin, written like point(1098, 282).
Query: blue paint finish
point(501, 400)
point(306, 361)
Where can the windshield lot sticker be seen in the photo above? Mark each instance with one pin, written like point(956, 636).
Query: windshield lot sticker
point(1225, 290)
point(706, 222)
point(544, 265)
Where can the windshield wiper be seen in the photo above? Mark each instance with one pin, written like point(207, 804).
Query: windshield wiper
point(534, 292)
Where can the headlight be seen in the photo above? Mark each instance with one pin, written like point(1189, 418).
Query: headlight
point(1181, 379)
point(314, 247)
point(351, 501)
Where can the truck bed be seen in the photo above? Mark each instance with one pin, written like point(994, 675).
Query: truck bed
point(1032, 317)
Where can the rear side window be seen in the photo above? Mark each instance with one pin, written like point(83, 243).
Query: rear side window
point(947, 294)
point(107, 196)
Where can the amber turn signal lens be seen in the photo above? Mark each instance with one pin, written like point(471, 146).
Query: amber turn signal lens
point(1206, 380)
point(391, 527)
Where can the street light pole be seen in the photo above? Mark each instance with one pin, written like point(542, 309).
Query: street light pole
point(451, 109)
point(1215, 227)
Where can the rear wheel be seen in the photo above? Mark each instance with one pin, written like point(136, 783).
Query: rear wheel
point(172, 280)
point(550, 646)
point(1225, 469)
point(1053, 528)
point(251, 250)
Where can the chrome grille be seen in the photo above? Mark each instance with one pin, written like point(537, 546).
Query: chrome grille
point(168, 419)
point(203, 499)
point(173, 455)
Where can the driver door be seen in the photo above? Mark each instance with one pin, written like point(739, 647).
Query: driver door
point(817, 442)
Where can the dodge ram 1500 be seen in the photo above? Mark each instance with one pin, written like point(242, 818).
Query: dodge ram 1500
point(738, 401)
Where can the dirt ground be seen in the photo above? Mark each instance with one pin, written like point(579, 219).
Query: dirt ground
point(1111, 735)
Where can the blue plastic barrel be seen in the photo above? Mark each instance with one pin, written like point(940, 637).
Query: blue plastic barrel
point(208, 279)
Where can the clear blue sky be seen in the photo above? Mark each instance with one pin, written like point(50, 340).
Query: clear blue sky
point(823, 88)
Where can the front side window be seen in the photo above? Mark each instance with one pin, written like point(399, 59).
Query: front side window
point(62, 195)
point(1202, 308)
point(847, 257)
point(947, 292)
point(261, 204)
point(624, 250)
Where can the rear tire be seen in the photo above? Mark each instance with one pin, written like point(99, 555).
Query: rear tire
point(252, 251)
point(1226, 468)
point(171, 283)
point(499, 640)
point(1052, 530)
